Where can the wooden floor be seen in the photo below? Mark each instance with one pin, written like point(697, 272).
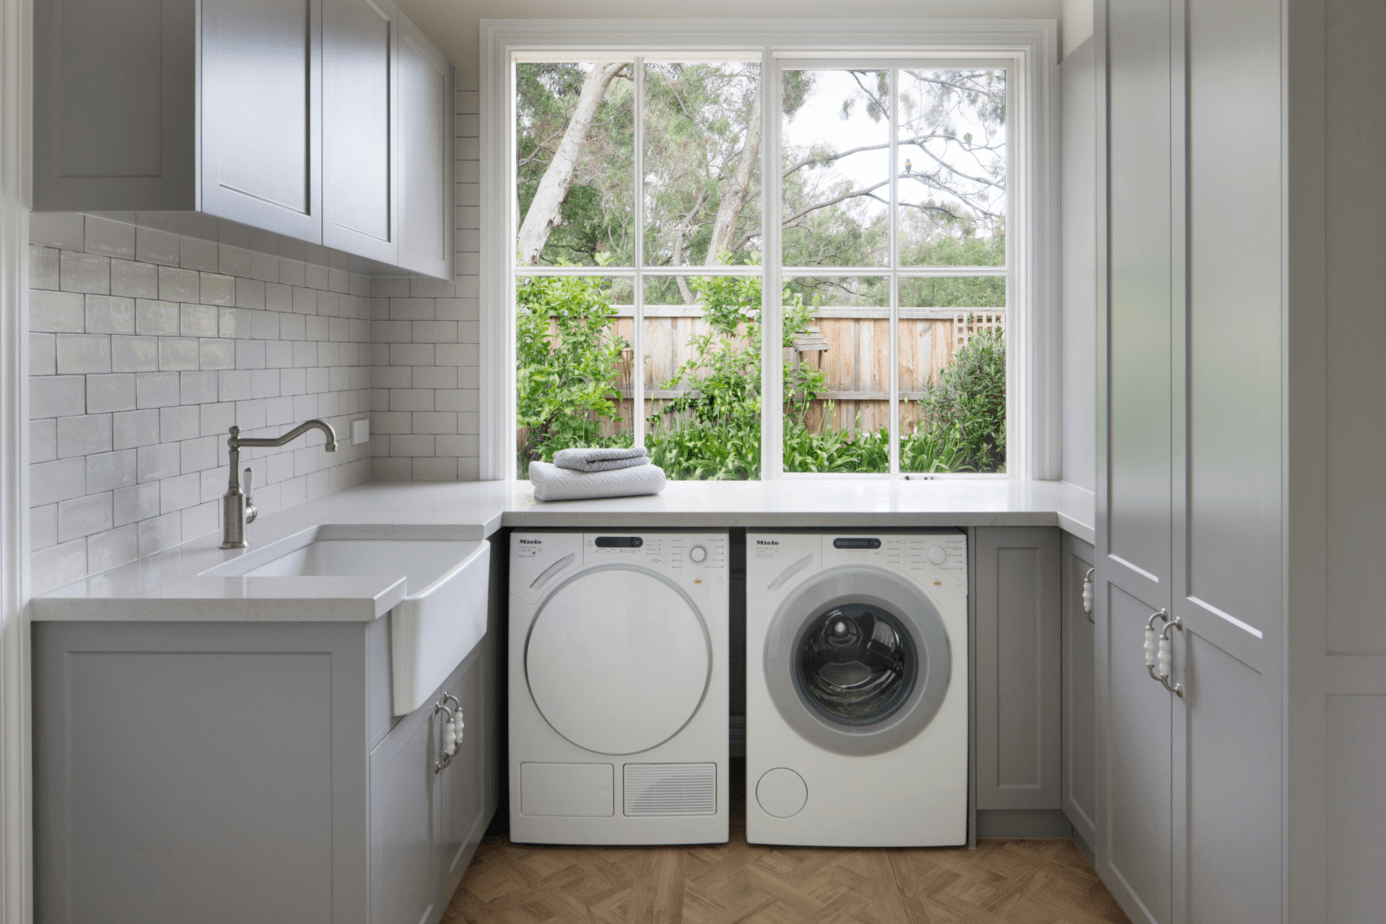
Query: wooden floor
point(1017, 882)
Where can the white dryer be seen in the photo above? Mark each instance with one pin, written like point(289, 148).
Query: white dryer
point(618, 688)
point(856, 689)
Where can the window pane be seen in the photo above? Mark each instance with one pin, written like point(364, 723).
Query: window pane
point(575, 143)
point(702, 163)
point(702, 376)
point(952, 163)
point(837, 375)
point(953, 386)
point(836, 168)
point(574, 364)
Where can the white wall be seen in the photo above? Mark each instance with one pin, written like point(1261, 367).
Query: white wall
point(1078, 301)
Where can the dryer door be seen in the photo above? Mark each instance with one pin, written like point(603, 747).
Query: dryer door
point(858, 661)
point(618, 659)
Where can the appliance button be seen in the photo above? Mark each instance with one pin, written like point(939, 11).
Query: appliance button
point(937, 555)
point(697, 554)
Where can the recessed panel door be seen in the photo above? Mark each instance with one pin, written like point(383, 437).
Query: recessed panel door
point(425, 151)
point(360, 64)
point(261, 114)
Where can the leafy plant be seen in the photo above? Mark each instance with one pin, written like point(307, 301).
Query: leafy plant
point(567, 378)
point(963, 414)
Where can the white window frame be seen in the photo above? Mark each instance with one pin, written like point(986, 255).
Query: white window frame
point(1028, 49)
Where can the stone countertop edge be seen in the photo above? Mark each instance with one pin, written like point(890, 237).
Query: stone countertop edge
point(169, 586)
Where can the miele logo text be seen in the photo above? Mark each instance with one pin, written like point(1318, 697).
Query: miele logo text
point(531, 542)
point(766, 542)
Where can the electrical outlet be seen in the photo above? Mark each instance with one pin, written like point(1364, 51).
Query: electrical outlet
point(361, 431)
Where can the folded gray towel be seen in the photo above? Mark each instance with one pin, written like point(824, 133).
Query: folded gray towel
point(552, 483)
point(599, 460)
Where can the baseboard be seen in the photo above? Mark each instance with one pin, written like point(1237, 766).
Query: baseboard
point(1024, 823)
point(1083, 846)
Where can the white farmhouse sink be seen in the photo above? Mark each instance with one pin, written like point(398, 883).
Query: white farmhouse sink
point(442, 616)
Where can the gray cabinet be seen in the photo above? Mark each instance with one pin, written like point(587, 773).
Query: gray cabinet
point(324, 120)
point(1189, 512)
point(361, 127)
point(233, 772)
point(1016, 644)
point(425, 155)
point(261, 117)
point(1080, 766)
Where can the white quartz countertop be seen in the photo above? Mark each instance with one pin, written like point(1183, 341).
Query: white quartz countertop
point(169, 585)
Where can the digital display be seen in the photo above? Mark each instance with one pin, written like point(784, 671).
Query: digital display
point(856, 543)
point(619, 542)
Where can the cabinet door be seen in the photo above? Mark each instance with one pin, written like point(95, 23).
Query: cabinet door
point(462, 786)
point(1018, 719)
point(1079, 694)
point(359, 127)
point(261, 131)
point(1136, 245)
point(1226, 524)
point(402, 868)
point(425, 155)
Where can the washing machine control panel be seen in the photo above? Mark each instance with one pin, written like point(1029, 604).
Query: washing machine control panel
point(938, 561)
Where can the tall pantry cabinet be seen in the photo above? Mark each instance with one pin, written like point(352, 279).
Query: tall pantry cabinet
point(1241, 433)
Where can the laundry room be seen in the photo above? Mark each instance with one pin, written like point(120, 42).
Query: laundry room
point(466, 460)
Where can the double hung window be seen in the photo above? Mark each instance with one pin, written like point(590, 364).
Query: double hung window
point(761, 261)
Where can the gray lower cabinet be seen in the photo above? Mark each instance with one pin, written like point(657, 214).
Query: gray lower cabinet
point(1017, 645)
point(1080, 768)
point(232, 772)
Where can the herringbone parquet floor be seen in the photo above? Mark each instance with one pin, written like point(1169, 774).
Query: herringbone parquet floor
point(1015, 882)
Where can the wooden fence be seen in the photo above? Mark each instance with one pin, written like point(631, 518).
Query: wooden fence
point(856, 362)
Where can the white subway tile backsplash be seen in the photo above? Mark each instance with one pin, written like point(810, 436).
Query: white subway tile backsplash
point(79, 354)
point(57, 311)
point(109, 314)
point(197, 387)
point(43, 354)
point(162, 460)
point(132, 429)
point(84, 436)
point(179, 285)
point(84, 272)
point(180, 423)
point(108, 471)
point(160, 533)
point(83, 516)
point(197, 320)
point(113, 548)
point(59, 565)
point(156, 318)
point(106, 393)
point(198, 255)
point(43, 440)
point(177, 353)
point(157, 389)
point(134, 280)
point(57, 396)
point(43, 267)
point(139, 502)
point(110, 238)
point(43, 527)
point(51, 482)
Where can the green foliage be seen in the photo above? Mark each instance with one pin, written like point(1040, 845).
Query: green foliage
point(566, 383)
point(965, 410)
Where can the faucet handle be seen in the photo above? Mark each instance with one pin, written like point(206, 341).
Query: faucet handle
point(248, 479)
point(250, 512)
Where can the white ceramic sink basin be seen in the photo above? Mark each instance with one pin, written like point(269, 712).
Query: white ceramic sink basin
point(442, 616)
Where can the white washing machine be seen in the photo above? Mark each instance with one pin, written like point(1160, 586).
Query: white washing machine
point(856, 689)
point(618, 688)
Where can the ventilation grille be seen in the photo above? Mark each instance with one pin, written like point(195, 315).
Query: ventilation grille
point(671, 789)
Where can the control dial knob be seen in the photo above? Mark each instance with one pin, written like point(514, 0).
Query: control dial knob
point(937, 555)
point(697, 554)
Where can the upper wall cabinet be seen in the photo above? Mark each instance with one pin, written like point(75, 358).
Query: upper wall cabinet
point(425, 155)
point(329, 121)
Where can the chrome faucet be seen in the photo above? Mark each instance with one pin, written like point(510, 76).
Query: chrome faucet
point(236, 508)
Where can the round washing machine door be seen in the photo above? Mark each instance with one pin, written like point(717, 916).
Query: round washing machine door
point(618, 659)
point(858, 661)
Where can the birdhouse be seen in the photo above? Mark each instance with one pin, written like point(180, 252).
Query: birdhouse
point(811, 342)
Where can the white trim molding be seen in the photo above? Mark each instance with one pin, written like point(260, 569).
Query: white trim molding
point(1030, 51)
point(16, 840)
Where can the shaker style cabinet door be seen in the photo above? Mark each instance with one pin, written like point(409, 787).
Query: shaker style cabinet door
point(1079, 801)
point(1017, 644)
point(425, 155)
point(261, 114)
point(360, 126)
point(463, 787)
point(1135, 455)
point(402, 870)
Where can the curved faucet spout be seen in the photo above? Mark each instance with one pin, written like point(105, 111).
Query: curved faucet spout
point(236, 507)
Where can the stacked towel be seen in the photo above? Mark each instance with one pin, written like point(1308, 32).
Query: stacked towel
point(599, 460)
point(552, 483)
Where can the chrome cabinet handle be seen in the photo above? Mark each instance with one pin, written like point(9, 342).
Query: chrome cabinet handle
point(452, 731)
point(1088, 595)
point(1165, 657)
